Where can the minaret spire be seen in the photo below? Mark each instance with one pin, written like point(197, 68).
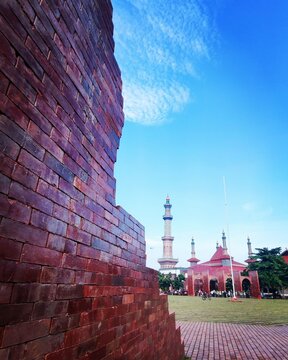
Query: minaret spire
point(193, 261)
point(250, 254)
point(249, 247)
point(193, 248)
point(224, 243)
point(167, 261)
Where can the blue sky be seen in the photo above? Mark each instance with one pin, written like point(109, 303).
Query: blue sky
point(205, 87)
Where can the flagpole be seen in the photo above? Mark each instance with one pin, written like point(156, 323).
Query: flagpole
point(228, 237)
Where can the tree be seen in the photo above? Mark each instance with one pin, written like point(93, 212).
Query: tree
point(165, 281)
point(272, 270)
point(178, 282)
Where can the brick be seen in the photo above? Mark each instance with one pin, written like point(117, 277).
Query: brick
point(4, 82)
point(8, 146)
point(27, 331)
point(62, 141)
point(6, 165)
point(38, 348)
point(100, 244)
point(85, 277)
point(94, 206)
point(56, 242)
point(27, 10)
point(87, 348)
point(97, 266)
point(10, 249)
point(81, 210)
point(63, 354)
point(38, 168)
point(10, 314)
point(79, 306)
point(70, 190)
point(33, 292)
point(22, 232)
point(24, 176)
point(40, 255)
point(12, 111)
point(49, 309)
point(48, 223)
point(84, 188)
point(59, 243)
point(69, 292)
point(89, 227)
point(63, 323)
point(53, 193)
point(65, 215)
point(60, 169)
point(7, 50)
point(14, 210)
point(57, 275)
point(78, 235)
point(45, 141)
point(87, 252)
point(79, 335)
point(74, 262)
point(75, 168)
point(11, 271)
point(29, 197)
point(5, 354)
point(5, 293)
point(111, 218)
point(14, 76)
point(4, 184)
point(29, 110)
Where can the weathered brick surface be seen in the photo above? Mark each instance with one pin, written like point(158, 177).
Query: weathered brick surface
point(73, 281)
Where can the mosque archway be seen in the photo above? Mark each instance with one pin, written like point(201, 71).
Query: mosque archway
point(246, 285)
point(213, 285)
point(198, 285)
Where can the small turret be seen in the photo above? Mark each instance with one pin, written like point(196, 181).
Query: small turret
point(250, 254)
point(193, 260)
point(192, 248)
point(249, 247)
point(224, 243)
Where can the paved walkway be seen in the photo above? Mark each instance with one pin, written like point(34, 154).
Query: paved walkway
point(205, 341)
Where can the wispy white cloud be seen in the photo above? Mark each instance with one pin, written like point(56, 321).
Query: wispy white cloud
point(152, 243)
point(159, 47)
point(151, 104)
point(257, 211)
point(249, 206)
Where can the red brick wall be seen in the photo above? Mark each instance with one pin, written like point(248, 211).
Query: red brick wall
point(73, 279)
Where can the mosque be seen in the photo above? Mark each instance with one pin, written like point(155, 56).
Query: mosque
point(212, 275)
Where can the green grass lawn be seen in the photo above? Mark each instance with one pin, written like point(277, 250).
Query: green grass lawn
point(246, 311)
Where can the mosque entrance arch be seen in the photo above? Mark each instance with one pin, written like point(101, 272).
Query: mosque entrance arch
point(198, 285)
point(213, 285)
point(246, 286)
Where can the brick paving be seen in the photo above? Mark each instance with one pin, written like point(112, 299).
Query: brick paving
point(219, 341)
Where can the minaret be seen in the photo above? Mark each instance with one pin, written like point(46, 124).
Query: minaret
point(193, 248)
point(249, 247)
point(224, 243)
point(250, 254)
point(217, 245)
point(193, 261)
point(167, 262)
